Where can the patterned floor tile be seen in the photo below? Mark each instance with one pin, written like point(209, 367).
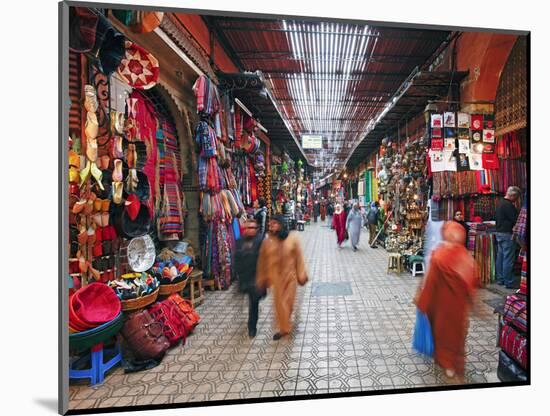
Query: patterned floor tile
point(349, 342)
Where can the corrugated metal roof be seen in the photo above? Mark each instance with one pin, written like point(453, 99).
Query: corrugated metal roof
point(328, 78)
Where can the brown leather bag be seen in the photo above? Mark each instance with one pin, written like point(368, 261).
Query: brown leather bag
point(145, 336)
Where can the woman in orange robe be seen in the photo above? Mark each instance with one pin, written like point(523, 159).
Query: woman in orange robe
point(281, 267)
point(446, 298)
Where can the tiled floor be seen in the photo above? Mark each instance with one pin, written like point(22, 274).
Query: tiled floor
point(353, 326)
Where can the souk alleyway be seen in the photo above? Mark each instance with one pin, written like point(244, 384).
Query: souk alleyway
point(353, 327)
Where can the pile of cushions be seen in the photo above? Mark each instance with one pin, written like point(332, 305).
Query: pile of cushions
point(174, 270)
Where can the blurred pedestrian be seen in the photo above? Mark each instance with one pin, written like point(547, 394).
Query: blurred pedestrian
point(354, 223)
point(446, 298)
point(281, 267)
point(330, 211)
point(323, 209)
point(260, 214)
point(316, 210)
point(246, 258)
point(339, 224)
point(372, 222)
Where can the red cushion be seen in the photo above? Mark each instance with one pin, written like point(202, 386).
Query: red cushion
point(96, 304)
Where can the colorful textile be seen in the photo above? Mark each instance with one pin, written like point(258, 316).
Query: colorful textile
point(519, 232)
point(208, 101)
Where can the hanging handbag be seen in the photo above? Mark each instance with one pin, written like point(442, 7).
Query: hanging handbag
point(145, 336)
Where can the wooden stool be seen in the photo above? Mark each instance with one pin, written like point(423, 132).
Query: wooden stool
point(395, 263)
point(196, 291)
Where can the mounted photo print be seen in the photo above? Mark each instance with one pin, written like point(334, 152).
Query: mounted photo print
point(436, 121)
point(449, 119)
point(247, 199)
point(488, 136)
point(476, 121)
point(463, 120)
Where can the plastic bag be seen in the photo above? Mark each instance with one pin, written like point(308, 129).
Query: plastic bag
point(422, 338)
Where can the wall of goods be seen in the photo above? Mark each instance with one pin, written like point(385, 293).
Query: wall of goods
point(237, 167)
point(289, 182)
point(456, 161)
point(128, 260)
point(471, 169)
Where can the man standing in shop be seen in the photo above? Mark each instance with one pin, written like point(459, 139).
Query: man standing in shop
point(372, 221)
point(506, 216)
point(246, 257)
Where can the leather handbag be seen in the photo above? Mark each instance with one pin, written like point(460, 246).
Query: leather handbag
point(174, 321)
point(145, 336)
point(185, 306)
point(514, 344)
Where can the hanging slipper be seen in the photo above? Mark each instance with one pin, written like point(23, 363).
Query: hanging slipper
point(92, 126)
point(98, 175)
point(90, 99)
point(117, 171)
point(132, 206)
point(117, 192)
point(91, 149)
point(74, 159)
point(119, 122)
point(85, 173)
point(118, 152)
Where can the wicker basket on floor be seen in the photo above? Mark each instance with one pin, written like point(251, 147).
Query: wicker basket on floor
point(167, 290)
point(139, 303)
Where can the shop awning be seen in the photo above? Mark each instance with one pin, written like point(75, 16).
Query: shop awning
point(409, 100)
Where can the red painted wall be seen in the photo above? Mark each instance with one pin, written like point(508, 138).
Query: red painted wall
point(198, 29)
point(484, 56)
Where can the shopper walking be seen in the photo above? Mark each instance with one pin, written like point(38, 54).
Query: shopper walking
point(316, 210)
point(372, 222)
point(330, 211)
point(506, 217)
point(246, 258)
point(354, 223)
point(260, 214)
point(446, 298)
point(281, 267)
point(323, 209)
point(339, 224)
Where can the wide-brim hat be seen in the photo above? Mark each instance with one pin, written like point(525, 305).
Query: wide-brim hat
point(137, 227)
point(109, 45)
point(141, 253)
point(138, 68)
